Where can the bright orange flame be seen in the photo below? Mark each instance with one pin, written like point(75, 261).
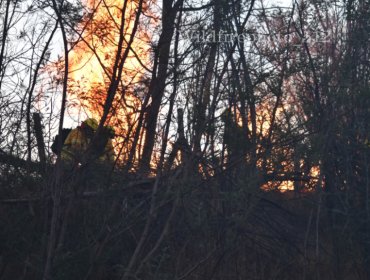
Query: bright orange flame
point(285, 164)
point(92, 62)
point(282, 162)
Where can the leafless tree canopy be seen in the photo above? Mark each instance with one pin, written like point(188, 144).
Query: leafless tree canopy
point(242, 139)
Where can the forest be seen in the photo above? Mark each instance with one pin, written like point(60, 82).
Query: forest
point(184, 139)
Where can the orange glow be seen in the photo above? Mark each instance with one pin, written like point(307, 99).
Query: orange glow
point(92, 61)
point(282, 162)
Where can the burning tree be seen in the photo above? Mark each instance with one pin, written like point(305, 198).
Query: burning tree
point(109, 64)
point(271, 102)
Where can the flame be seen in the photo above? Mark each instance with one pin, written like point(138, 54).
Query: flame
point(286, 164)
point(92, 60)
point(281, 160)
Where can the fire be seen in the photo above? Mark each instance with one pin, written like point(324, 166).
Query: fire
point(280, 162)
point(284, 165)
point(92, 61)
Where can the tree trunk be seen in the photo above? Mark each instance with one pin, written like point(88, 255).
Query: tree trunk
point(157, 84)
